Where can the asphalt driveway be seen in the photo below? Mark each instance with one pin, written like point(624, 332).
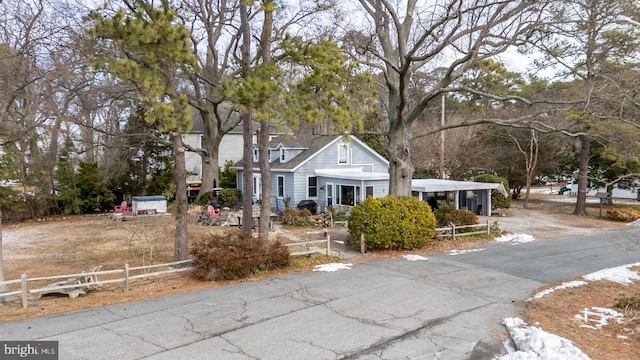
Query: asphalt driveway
point(445, 307)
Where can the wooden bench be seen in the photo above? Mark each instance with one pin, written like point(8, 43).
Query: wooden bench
point(73, 287)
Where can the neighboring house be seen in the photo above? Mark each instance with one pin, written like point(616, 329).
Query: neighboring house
point(231, 147)
point(330, 170)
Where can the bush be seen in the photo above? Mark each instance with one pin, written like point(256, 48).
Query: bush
point(229, 197)
point(236, 255)
point(498, 201)
point(205, 199)
point(442, 214)
point(297, 217)
point(624, 213)
point(447, 214)
point(462, 217)
point(393, 222)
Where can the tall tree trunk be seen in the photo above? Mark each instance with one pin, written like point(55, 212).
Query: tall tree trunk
point(400, 166)
point(583, 176)
point(247, 132)
point(211, 138)
point(181, 251)
point(265, 171)
point(263, 141)
point(3, 288)
point(211, 143)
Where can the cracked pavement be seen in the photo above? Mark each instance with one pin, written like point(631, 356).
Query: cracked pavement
point(447, 307)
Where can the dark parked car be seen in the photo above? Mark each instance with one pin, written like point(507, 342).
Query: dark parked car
point(308, 204)
point(564, 189)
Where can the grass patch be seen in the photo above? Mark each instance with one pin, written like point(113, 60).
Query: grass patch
point(309, 261)
point(630, 307)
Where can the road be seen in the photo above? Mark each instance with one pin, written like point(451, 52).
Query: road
point(445, 307)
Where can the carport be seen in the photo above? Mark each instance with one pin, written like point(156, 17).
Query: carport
point(468, 195)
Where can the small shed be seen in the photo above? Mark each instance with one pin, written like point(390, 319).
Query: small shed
point(155, 204)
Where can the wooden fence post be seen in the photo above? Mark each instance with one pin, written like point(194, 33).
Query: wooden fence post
point(362, 247)
point(488, 231)
point(126, 278)
point(328, 244)
point(453, 231)
point(23, 282)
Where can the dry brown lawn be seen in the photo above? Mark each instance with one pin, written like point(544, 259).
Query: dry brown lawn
point(73, 244)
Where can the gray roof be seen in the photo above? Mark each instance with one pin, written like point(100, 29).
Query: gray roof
point(310, 143)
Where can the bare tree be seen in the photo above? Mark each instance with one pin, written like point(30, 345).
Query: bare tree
point(576, 44)
point(215, 32)
point(407, 37)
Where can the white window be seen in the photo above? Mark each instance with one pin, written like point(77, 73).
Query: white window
point(282, 158)
point(343, 153)
point(255, 155)
point(202, 141)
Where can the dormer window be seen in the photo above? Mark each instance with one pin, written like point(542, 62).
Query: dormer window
point(282, 157)
point(343, 153)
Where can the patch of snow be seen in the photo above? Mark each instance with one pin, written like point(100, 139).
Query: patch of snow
point(414, 257)
point(338, 241)
point(332, 267)
point(600, 316)
point(515, 238)
point(535, 343)
point(461, 252)
point(621, 274)
point(634, 223)
point(564, 285)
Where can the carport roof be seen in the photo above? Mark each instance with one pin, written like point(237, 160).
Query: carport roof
point(439, 185)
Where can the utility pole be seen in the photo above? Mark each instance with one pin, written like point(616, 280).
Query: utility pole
point(442, 141)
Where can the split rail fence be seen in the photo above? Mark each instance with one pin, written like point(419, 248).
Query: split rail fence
point(311, 247)
point(76, 281)
point(454, 231)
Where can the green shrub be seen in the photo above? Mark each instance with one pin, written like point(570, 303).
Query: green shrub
point(462, 217)
point(392, 222)
point(623, 213)
point(236, 255)
point(498, 201)
point(297, 217)
point(442, 214)
point(205, 198)
point(229, 197)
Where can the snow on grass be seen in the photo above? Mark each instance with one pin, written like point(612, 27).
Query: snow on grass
point(600, 316)
point(621, 274)
point(515, 238)
point(331, 267)
point(535, 343)
point(564, 285)
point(461, 252)
point(414, 257)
